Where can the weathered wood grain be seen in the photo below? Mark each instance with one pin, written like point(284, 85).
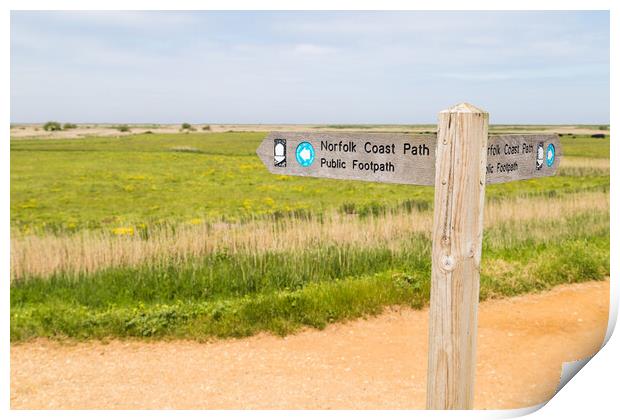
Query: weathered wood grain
point(457, 245)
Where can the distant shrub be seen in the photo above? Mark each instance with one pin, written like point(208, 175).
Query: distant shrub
point(187, 126)
point(186, 149)
point(598, 136)
point(206, 128)
point(123, 128)
point(603, 127)
point(148, 132)
point(52, 126)
point(69, 126)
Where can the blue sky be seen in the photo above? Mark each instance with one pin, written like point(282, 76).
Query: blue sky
point(308, 67)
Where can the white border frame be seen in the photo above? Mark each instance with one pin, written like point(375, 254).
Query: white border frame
point(596, 384)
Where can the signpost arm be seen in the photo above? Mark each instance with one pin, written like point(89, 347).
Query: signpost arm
point(460, 175)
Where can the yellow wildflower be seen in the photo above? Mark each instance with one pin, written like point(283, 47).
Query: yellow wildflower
point(123, 231)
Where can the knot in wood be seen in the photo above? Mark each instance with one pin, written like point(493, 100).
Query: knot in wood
point(447, 263)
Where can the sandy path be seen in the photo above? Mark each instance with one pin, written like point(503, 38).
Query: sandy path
point(374, 363)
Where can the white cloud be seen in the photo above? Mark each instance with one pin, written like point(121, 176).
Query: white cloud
point(313, 49)
point(133, 20)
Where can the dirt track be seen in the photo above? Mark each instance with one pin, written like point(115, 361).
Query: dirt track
point(374, 363)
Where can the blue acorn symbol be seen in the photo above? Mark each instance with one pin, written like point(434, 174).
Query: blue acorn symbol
point(550, 156)
point(304, 154)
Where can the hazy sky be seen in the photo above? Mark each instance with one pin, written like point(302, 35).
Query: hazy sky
point(308, 67)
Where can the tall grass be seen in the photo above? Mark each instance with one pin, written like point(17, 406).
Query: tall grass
point(227, 294)
point(92, 251)
point(583, 167)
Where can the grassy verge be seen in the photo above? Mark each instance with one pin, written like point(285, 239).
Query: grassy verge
point(226, 295)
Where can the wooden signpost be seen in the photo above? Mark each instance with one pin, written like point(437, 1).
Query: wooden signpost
point(460, 179)
point(459, 161)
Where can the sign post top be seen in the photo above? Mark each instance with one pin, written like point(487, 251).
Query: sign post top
point(464, 108)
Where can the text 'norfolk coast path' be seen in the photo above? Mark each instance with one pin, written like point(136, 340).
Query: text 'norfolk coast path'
point(401, 158)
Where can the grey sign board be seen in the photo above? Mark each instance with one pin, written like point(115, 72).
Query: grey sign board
point(400, 158)
point(513, 157)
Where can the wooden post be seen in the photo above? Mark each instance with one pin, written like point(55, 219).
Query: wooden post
point(460, 177)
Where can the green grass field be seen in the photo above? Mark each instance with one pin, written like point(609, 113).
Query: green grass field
point(115, 211)
point(109, 183)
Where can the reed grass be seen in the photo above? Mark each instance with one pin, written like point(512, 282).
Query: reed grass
point(240, 294)
point(92, 251)
point(583, 167)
